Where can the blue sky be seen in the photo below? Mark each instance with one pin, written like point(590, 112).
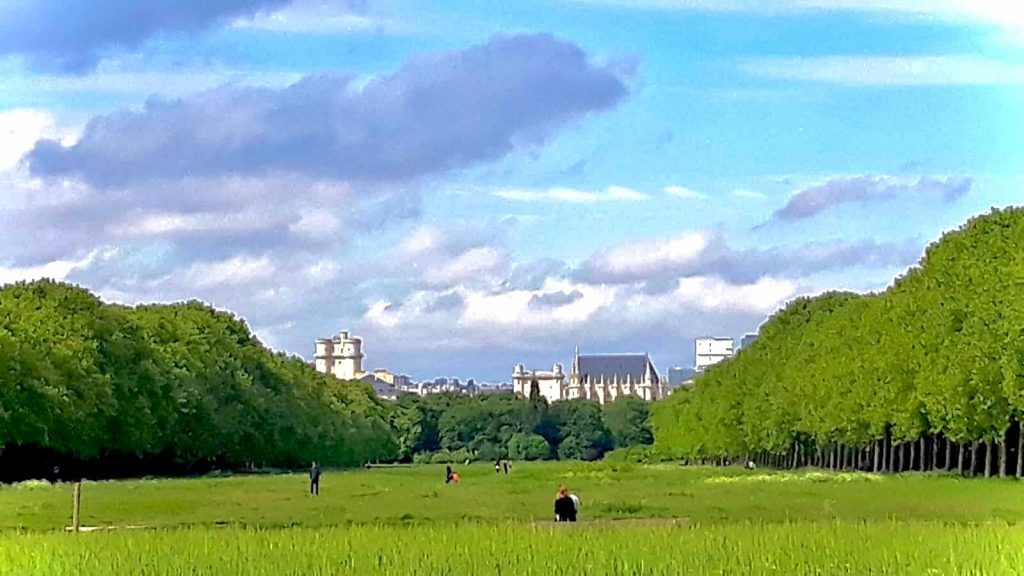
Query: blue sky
point(470, 185)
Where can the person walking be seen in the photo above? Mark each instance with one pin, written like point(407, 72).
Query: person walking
point(497, 466)
point(314, 479)
point(506, 465)
point(565, 507)
point(447, 474)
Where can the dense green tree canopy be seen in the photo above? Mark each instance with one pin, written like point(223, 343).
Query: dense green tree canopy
point(936, 358)
point(84, 381)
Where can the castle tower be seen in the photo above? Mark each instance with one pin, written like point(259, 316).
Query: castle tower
point(348, 357)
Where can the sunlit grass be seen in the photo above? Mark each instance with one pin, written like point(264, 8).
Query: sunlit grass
point(635, 520)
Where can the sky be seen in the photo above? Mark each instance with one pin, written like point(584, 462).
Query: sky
point(473, 184)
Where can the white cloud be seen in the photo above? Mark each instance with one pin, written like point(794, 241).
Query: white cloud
point(20, 129)
point(640, 258)
point(214, 223)
point(891, 70)
point(422, 240)
point(623, 193)
point(232, 271)
point(311, 17)
point(54, 270)
point(474, 264)
point(490, 318)
point(763, 296)
point(609, 194)
point(684, 192)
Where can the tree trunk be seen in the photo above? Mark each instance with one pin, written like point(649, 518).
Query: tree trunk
point(913, 454)
point(890, 455)
point(960, 459)
point(920, 465)
point(875, 456)
point(899, 458)
point(1002, 456)
point(949, 454)
point(935, 453)
point(974, 458)
point(988, 458)
point(1020, 449)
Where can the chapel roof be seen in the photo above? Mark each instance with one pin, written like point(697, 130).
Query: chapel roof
point(593, 367)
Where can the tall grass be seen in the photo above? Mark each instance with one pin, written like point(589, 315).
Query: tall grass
point(517, 549)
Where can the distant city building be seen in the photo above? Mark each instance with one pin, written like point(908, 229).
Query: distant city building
point(710, 351)
point(503, 388)
point(680, 374)
point(550, 385)
point(747, 340)
point(341, 356)
point(382, 388)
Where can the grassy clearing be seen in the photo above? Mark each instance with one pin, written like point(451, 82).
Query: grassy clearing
point(404, 495)
point(637, 520)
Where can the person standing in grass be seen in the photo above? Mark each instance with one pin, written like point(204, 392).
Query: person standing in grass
point(314, 479)
point(447, 474)
point(565, 507)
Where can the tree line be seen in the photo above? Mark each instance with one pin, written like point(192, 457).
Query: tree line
point(926, 375)
point(441, 428)
point(107, 390)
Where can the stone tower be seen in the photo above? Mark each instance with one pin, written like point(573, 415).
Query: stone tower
point(341, 356)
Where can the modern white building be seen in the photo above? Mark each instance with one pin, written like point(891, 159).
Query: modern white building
point(550, 385)
point(341, 356)
point(712, 350)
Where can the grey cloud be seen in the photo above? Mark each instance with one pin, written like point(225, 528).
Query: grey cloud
point(72, 35)
point(553, 299)
point(209, 219)
point(749, 265)
point(531, 275)
point(864, 189)
point(438, 112)
point(742, 266)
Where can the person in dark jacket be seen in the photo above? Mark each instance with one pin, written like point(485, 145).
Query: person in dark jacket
point(565, 507)
point(447, 474)
point(314, 479)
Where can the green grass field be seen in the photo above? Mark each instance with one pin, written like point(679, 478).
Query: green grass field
point(635, 520)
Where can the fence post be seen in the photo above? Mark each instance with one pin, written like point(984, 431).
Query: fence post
point(76, 506)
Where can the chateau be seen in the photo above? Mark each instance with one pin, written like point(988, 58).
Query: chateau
point(341, 356)
point(599, 377)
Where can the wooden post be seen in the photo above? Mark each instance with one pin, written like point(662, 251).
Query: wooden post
point(77, 506)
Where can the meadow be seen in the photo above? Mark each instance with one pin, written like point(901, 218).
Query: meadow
point(659, 519)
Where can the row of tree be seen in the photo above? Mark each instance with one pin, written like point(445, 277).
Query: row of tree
point(108, 390)
point(928, 374)
point(456, 427)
